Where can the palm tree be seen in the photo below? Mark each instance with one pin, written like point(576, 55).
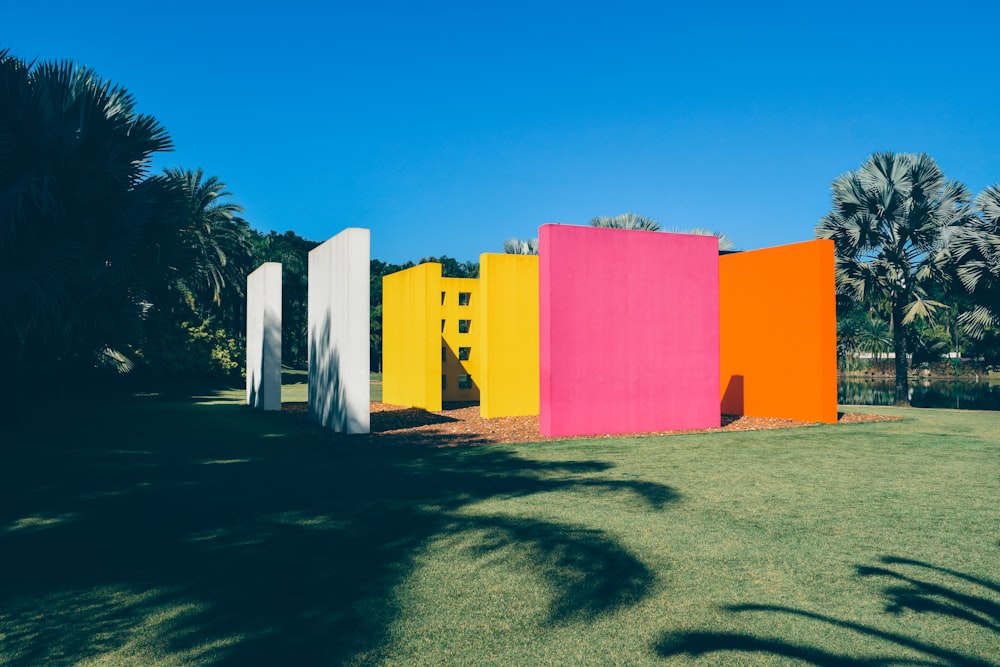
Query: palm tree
point(75, 206)
point(514, 246)
point(725, 242)
point(196, 266)
point(212, 241)
point(639, 222)
point(976, 252)
point(626, 221)
point(874, 336)
point(890, 222)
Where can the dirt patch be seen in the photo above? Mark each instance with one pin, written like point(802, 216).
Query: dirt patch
point(460, 424)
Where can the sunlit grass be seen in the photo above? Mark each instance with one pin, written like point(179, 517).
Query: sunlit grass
point(294, 389)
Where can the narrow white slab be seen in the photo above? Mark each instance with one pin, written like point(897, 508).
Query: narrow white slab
point(339, 385)
point(264, 337)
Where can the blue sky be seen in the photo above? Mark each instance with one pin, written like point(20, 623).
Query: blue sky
point(446, 127)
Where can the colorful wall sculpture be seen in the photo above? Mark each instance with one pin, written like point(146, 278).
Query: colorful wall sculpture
point(508, 342)
point(264, 337)
point(411, 337)
point(613, 331)
point(339, 386)
point(778, 332)
point(629, 331)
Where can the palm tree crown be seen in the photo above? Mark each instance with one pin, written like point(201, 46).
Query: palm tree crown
point(626, 221)
point(725, 241)
point(890, 221)
point(75, 209)
point(976, 252)
point(213, 241)
point(515, 246)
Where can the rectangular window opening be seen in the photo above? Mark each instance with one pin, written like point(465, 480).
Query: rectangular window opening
point(463, 353)
point(444, 381)
point(463, 298)
point(465, 382)
point(444, 354)
point(463, 326)
point(442, 326)
point(442, 298)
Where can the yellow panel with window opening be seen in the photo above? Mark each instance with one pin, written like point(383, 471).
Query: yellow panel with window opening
point(460, 339)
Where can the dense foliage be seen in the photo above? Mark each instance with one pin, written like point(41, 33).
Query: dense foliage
point(105, 266)
point(80, 219)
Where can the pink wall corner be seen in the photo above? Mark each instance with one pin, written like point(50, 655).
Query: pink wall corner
point(629, 331)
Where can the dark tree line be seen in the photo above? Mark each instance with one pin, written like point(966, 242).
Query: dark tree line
point(108, 270)
point(99, 258)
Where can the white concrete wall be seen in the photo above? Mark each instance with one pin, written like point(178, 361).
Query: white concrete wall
point(264, 337)
point(339, 386)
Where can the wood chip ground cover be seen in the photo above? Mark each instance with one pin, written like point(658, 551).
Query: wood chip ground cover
point(459, 424)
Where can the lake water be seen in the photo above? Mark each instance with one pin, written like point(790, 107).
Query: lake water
point(923, 393)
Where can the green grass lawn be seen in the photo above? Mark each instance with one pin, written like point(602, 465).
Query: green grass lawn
point(177, 531)
point(295, 385)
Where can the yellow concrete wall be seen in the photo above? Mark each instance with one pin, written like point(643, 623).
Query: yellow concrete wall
point(508, 364)
point(411, 337)
point(453, 341)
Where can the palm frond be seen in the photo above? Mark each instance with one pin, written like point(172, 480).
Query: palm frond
point(725, 242)
point(515, 246)
point(626, 221)
point(921, 308)
point(976, 321)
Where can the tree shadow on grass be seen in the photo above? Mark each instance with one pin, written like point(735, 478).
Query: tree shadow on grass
point(565, 559)
point(914, 592)
point(154, 530)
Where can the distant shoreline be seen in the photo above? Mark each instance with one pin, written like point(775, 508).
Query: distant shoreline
point(971, 376)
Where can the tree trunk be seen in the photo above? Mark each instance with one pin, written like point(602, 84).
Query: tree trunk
point(899, 346)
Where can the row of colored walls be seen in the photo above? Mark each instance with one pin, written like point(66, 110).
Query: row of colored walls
point(614, 331)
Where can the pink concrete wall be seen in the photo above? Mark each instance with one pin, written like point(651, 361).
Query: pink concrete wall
point(629, 331)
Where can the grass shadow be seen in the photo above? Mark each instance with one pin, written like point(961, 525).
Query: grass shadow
point(394, 420)
point(911, 591)
point(151, 529)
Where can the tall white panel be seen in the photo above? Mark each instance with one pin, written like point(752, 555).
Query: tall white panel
point(339, 386)
point(264, 337)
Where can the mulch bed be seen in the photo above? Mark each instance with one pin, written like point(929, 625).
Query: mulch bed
point(459, 424)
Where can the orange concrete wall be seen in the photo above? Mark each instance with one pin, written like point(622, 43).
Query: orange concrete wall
point(778, 332)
